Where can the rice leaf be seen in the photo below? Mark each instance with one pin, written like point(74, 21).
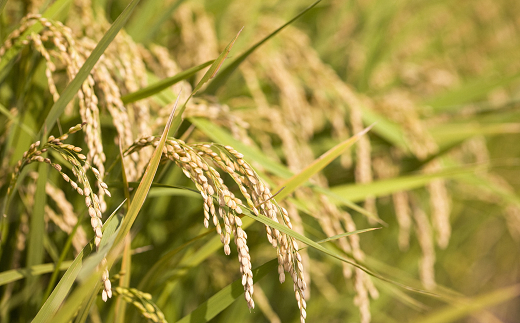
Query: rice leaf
point(358, 192)
point(468, 92)
point(149, 18)
point(2, 5)
point(91, 285)
point(162, 84)
point(346, 234)
point(226, 296)
point(298, 179)
point(52, 304)
point(195, 259)
point(228, 70)
point(448, 133)
point(162, 265)
point(210, 73)
point(35, 250)
point(146, 182)
point(126, 263)
point(386, 129)
point(89, 276)
point(63, 254)
point(454, 312)
point(13, 275)
point(14, 119)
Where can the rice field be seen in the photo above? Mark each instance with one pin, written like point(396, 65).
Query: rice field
point(196, 161)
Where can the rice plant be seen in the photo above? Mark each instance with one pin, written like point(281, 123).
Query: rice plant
point(364, 148)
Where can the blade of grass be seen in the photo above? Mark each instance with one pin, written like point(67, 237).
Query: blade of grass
point(35, 251)
point(129, 219)
point(89, 277)
point(302, 177)
point(386, 129)
point(73, 87)
point(53, 302)
point(228, 70)
point(14, 119)
point(146, 182)
point(13, 275)
point(470, 91)
point(358, 192)
point(473, 306)
point(126, 263)
point(63, 254)
point(161, 265)
point(124, 281)
point(346, 234)
point(2, 5)
point(162, 84)
point(226, 296)
point(194, 260)
point(210, 73)
point(217, 134)
point(446, 133)
point(149, 18)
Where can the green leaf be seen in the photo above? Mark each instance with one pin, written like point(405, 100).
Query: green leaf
point(13, 275)
point(470, 91)
point(63, 254)
point(464, 308)
point(358, 192)
point(52, 304)
point(146, 182)
point(226, 72)
point(73, 87)
point(165, 262)
point(226, 296)
point(162, 84)
point(298, 179)
point(151, 16)
point(2, 5)
point(448, 133)
point(386, 129)
point(78, 304)
point(346, 234)
point(195, 259)
point(207, 76)
point(14, 119)
point(35, 251)
point(217, 134)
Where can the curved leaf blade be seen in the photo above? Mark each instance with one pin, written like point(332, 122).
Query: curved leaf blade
point(162, 84)
point(226, 73)
point(299, 179)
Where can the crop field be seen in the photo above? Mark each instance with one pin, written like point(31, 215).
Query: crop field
point(263, 161)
